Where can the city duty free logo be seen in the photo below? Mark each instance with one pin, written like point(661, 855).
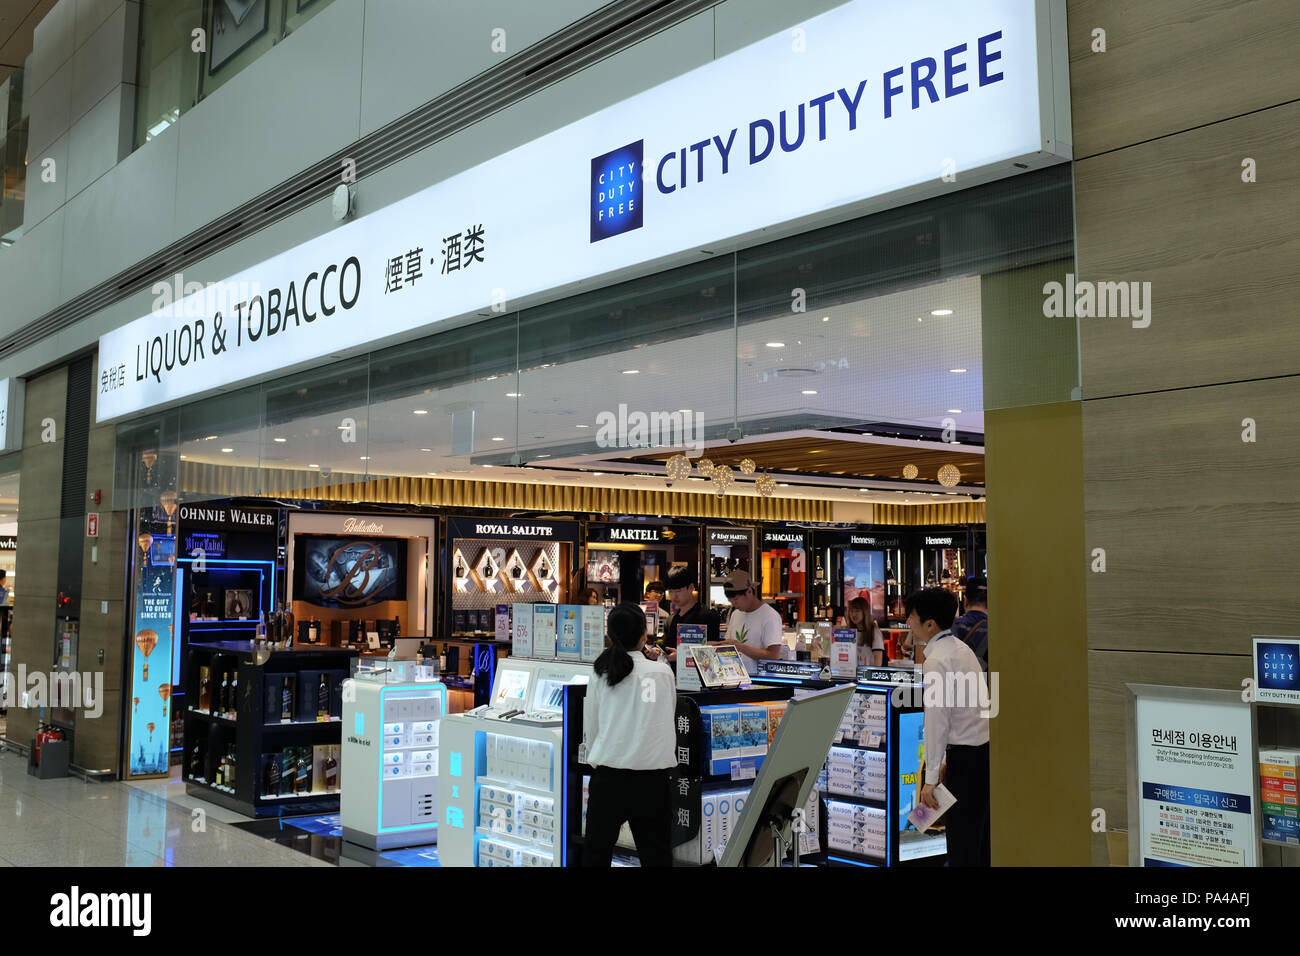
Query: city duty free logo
point(1278, 665)
point(616, 192)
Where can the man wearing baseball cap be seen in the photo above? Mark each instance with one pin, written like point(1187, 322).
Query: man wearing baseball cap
point(754, 628)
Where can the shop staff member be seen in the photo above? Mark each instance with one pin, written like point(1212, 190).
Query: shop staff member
point(681, 588)
point(954, 727)
point(631, 746)
point(870, 636)
point(654, 592)
point(754, 628)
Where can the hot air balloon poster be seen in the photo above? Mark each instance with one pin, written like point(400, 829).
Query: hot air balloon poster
point(151, 670)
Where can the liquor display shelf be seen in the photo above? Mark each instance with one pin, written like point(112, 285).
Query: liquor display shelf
point(301, 682)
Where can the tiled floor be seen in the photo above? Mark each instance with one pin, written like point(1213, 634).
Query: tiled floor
point(68, 822)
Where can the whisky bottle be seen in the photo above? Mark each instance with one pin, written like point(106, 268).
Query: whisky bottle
point(224, 701)
point(330, 768)
point(271, 779)
point(323, 698)
point(286, 699)
point(302, 776)
point(205, 692)
point(286, 623)
point(231, 770)
point(196, 761)
point(234, 694)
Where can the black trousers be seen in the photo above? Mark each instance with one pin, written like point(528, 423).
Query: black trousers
point(967, 778)
point(641, 798)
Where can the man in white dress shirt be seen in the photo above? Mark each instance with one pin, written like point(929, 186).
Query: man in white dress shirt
point(956, 725)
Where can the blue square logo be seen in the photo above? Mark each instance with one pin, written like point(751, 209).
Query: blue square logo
point(616, 205)
point(1278, 665)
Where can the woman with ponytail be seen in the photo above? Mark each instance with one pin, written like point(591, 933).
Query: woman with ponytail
point(631, 745)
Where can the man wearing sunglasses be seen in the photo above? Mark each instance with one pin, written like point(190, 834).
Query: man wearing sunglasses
point(754, 628)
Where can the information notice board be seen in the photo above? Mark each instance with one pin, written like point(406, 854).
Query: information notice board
point(1192, 778)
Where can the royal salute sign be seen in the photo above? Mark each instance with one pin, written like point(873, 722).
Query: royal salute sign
point(864, 107)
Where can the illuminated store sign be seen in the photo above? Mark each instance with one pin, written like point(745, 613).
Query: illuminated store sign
point(943, 541)
point(864, 107)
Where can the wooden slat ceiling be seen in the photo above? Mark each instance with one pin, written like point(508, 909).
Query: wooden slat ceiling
point(833, 456)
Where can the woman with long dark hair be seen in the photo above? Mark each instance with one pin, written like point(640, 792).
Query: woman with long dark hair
point(631, 745)
point(869, 634)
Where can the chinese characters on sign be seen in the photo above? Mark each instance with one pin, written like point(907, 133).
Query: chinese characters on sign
point(459, 251)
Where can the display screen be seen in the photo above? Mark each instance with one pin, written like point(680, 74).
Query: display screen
point(864, 576)
point(913, 845)
point(511, 684)
point(349, 572)
point(602, 566)
point(549, 695)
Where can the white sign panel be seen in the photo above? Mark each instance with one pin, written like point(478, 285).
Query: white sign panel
point(4, 414)
point(1195, 778)
point(857, 104)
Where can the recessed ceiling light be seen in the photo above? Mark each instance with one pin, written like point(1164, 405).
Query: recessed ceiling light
point(210, 438)
point(776, 345)
point(420, 411)
point(313, 466)
point(227, 451)
point(485, 466)
point(957, 370)
point(497, 438)
point(426, 449)
point(825, 318)
point(919, 319)
point(596, 474)
point(631, 371)
point(581, 426)
point(183, 458)
point(954, 411)
point(514, 394)
point(280, 440)
point(343, 428)
point(809, 391)
point(544, 456)
point(365, 457)
point(942, 312)
point(431, 473)
point(783, 486)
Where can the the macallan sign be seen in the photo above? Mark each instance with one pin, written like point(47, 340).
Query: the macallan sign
point(361, 526)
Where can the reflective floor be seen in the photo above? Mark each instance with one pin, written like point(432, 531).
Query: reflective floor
point(69, 822)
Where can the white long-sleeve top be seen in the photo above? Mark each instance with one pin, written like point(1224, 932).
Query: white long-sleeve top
point(630, 726)
point(955, 696)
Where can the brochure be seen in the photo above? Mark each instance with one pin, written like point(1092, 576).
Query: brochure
point(689, 635)
point(924, 817)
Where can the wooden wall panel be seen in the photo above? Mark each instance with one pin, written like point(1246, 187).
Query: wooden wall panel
point(1037, 641)
point(1199, 528)
point(1220, 255)
point(1171, 65)
point(1108, 673)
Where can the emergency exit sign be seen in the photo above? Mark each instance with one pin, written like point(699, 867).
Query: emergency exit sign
point(92, 525)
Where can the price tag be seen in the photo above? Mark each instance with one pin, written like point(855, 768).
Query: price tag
point(744, 769)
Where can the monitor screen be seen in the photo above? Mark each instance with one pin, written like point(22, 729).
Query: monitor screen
point(549, 694)
point(349, 572)
point(864, 576)
point(512, 685)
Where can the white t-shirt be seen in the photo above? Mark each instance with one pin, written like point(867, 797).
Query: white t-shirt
point(759, 629)
point(630, 725)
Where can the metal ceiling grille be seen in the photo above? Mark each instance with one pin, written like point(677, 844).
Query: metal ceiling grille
point(562, 54)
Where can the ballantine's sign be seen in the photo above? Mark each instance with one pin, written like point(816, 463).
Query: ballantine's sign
point(361, 526)
point(864, 107)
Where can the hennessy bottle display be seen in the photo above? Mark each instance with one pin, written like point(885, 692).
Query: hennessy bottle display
point(330, 769)
point(323, 698)
point(271, 778)
point(286, 698)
